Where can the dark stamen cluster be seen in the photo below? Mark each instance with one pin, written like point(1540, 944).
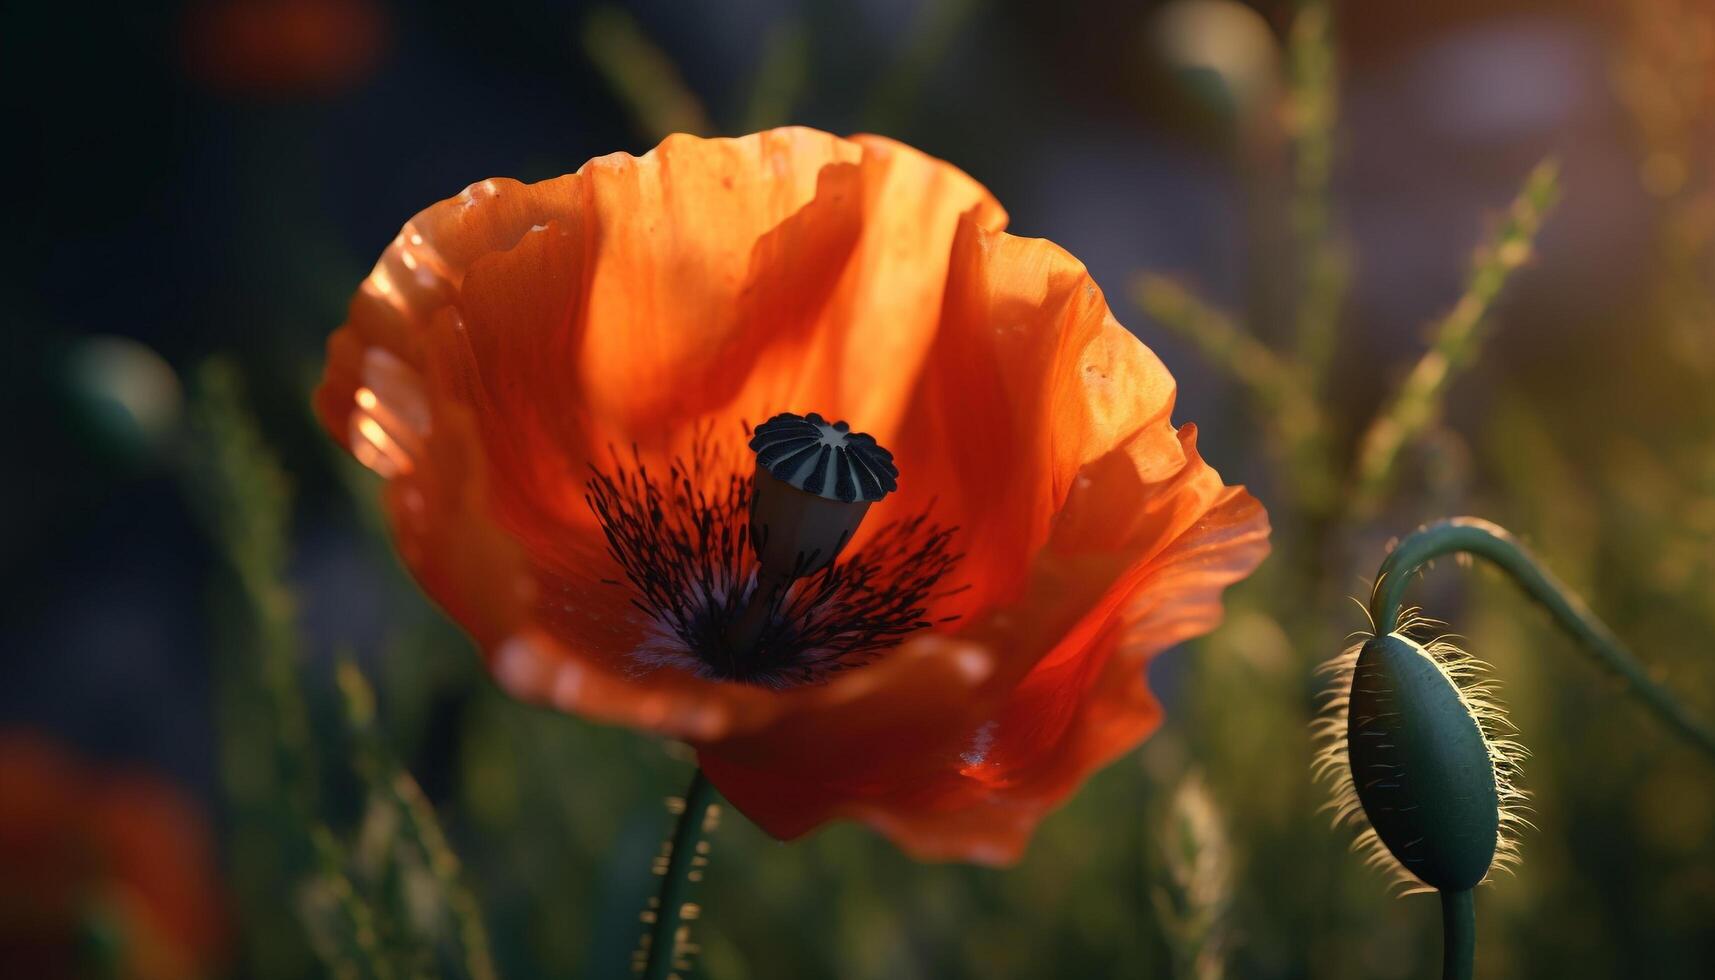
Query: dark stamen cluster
point(684, 545)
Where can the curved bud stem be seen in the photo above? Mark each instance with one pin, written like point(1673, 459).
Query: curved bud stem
point(1458, 934)
point(1493, 543)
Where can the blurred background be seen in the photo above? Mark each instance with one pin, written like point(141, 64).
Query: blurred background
point(1290, 202)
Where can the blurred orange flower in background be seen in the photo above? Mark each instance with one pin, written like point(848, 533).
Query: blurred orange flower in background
point(510, 337)
point(283, 47)
point(101, 873)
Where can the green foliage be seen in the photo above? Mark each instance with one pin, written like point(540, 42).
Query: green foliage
point(1193, 891)
point(642, 76)
point(1312, 114)
point(1456, 340)
point(416, 823)
point(781, 76)
point(267, 758)
point(1305, 907)
point(938, 24)
point(353, 903)
point(1280, 387)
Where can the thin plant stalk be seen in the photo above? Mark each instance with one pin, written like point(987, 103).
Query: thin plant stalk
point(642, 75)
point(936, 27)
point(417, 821)
point(1494, 544)
point(245, 500)
point(1458, 934)
point(667, 946)
point(1274, 380)
point(1455, 340)
point(360, 955)
point(780, 78)
point(1324, 269)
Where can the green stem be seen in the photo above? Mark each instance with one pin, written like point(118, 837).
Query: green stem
point(1323, 270)
point(1458, 934)
point(1479, 538)
point(695, 821)
point(1455, 340)
point(417, 821)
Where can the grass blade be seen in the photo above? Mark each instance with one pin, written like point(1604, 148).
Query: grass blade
point(1311, 120)
point(1279, 388)
point(244, 499)
point(1456, 339)
point(643, 76)
point(417, 821)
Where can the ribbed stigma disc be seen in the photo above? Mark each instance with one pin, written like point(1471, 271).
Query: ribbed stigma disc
point(824, 458)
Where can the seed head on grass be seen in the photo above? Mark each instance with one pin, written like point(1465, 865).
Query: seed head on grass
point(1193, 895)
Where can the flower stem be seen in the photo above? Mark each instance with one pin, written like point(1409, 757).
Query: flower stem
point(1479, 538)
point(666, 943)
point(1458, 934)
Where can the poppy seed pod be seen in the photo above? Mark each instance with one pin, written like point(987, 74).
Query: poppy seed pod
point(814, 483)
point(1421, 766)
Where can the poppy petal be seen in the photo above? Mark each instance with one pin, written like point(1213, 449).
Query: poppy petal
point(1099, 537)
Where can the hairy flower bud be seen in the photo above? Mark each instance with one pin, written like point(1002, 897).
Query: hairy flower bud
point(1420, 765)
point(1418, 752)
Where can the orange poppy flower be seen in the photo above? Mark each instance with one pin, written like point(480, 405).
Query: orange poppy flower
point(527, 362)
point(101, 874)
